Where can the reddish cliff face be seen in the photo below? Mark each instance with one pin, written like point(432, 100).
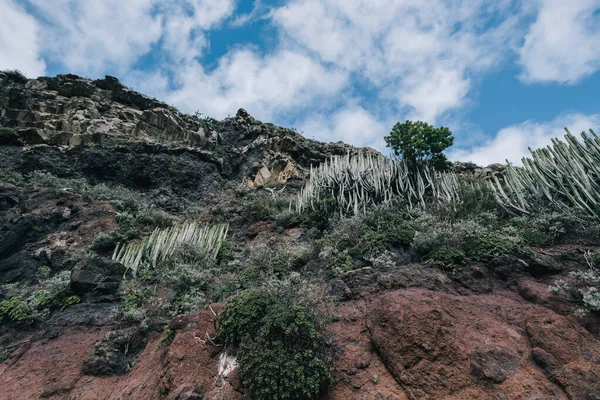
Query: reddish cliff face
point(413, 343)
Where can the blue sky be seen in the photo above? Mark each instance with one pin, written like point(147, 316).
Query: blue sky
point(504, 75)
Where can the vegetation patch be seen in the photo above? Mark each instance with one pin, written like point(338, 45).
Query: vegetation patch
point(282, 352)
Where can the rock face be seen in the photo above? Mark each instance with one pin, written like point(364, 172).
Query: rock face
point(410, 331)
point(99, 276)
point(68, 110)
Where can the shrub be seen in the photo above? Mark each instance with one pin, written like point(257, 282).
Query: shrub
point(14, 178)
point(16, 310)
point(121, 198)
point(187, 301)
point(155, 219)
point(447, 255)
point(585, 290)
point(491, 245)
point(242, 315)
point(166, 339)
point(5, 130)
point(433, 233)
point(54, 183)
point(279, 262)
point(281, 349)
point(187, 268)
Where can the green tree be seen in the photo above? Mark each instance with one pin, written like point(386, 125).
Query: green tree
point(418, 143)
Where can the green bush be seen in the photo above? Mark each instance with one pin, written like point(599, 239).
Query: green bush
point(493, 245)
point(155, 219)
point(166, 339)
point(242, 315)
point(16, 310)
point(281, 349)
point(586, 287)
point(447, 255)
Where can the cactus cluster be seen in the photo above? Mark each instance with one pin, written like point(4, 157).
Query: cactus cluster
point(161, 244)
point(356, 182)
point(564, 174)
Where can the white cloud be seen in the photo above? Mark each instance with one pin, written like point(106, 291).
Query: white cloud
point(265, 86)
point(18, 40)
point(420, 54)
point(512, 143)
point(348, 124)
point(563, 44)
point(93, 37)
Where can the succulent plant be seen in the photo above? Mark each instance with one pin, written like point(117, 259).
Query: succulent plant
point(358, 181)
point(161, 244)
point(564, 174)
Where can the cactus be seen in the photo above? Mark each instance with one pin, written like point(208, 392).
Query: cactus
point(564, 174)
point(161, 244)
point(356, 182)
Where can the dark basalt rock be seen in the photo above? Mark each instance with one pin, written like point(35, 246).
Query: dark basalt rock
point(98, 275)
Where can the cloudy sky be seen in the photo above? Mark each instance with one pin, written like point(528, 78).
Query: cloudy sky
point(504, 75)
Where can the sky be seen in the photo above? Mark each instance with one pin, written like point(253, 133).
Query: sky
point(503, 75)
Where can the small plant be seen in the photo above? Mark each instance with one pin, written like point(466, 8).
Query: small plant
point(5, 130)
point(5, 354)
point(16, 310)
point(282, 352)
point(166, 339)
point(585, 291)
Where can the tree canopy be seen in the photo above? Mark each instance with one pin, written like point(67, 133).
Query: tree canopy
point(420, 143)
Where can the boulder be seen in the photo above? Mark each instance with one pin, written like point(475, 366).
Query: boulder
point(99, 275)
point(115, 354)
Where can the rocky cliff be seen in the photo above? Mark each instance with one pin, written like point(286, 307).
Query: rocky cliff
point(88, 164)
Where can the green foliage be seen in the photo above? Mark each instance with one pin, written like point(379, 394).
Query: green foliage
point(5, 130)
point(5, 354)
point(121, 198)
point(586, 287)
point(135, 299)
point(166, 339)
point(225, 288)
point(14, 178)
point(381, 229)
point(155, 219)
point(419, 142)
point(188, 267)
point(282, 360)
point(27, 305)
point(491, 245)
point(281, 349)
point(533, 236)
point(60, 185)
point(242, 315)
point(16, 310)
point(279, 261)
point(447, 255)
